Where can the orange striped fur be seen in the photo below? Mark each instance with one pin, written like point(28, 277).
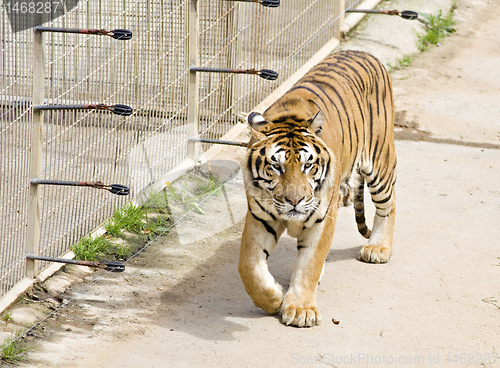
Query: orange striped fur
point(311, 152)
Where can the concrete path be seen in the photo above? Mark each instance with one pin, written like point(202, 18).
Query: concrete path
point(434, 304)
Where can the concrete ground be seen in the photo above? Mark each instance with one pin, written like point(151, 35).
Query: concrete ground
point(435, 304)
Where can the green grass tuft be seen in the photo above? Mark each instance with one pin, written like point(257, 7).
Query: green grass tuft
point(401, 63)
point(11, 351)
point(206, 186)
point(156, 200)
point(113, 228)
point(89, 249)
point(148, 221)
point(130, 218)
point(437, 27)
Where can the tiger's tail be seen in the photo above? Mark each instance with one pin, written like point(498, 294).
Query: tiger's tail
point(359, 210)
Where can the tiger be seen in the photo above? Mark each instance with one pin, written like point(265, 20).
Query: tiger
point(310, 153)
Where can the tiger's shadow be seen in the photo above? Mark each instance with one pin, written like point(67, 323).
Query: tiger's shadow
point(211, 303)
point(344, 254)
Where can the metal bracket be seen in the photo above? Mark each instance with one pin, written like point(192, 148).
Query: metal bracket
point(218, 141)
point(117, 189)
point(122, 110)
point(264, 73)
point(117, 34)
point(108, 266)
point(266, 3)
point(405, 14)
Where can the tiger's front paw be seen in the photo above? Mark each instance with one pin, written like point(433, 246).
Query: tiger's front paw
point(269, 299)
point(374, 254)
point(299, 314)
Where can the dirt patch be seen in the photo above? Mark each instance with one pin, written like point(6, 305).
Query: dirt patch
point(451, 91)
point(409, 131)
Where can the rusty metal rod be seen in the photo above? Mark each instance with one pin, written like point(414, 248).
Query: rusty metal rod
point(218, 141)
point(117, 189)
point(117, 34)
point(115, 109)
point(264, 73)
point(405, 14)
point(267, 3)
point(108, 266)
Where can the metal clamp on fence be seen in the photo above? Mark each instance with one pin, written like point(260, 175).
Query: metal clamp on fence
point(117, 34)
point(267, 3)
point(108, 266)
point(115, 109)
point(405, 14)
point(117, 189)
point(218, 141)
point(264, 73)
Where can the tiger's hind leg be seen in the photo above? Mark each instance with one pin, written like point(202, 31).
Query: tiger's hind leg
point(379, 247)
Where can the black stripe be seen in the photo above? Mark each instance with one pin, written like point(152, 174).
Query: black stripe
point(264, 210)
point(327, 168)
point(249, 162)
point(374, 153)
point(282, 130)
point(269, 229)
point(326, 213)
point(267, 181)
point(370, 137)
point(385, 200)
point(258, 162)
point(266, 252)
point(312, 213)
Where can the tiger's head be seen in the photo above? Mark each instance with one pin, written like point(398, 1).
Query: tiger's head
point(288, 169)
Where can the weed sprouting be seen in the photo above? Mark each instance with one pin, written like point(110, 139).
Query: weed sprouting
point(189, 198)
point(90, 249)
point(156, 199)
point(206, 186)
point(11, 351)
point(155, 227)
point(113, 228)
point(131, 218)
point(150, 220)
point(401, 63)
point(437, 27)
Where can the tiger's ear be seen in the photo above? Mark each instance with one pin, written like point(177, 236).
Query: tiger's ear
point(257, 123)
point(317, 123)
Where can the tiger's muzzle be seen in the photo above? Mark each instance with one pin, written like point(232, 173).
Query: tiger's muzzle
point(293, 201)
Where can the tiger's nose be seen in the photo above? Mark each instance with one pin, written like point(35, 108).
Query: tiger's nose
point(294, 201)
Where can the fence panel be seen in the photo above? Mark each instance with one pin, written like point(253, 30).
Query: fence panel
point(150, 73)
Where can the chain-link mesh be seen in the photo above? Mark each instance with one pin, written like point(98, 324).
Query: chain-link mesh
point(149, 73)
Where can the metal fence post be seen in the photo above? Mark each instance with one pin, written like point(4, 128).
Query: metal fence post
point(340, 13)
point(35, 198)
point(193, 125)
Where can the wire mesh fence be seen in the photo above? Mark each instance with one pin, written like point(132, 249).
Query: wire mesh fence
point(150, 73)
